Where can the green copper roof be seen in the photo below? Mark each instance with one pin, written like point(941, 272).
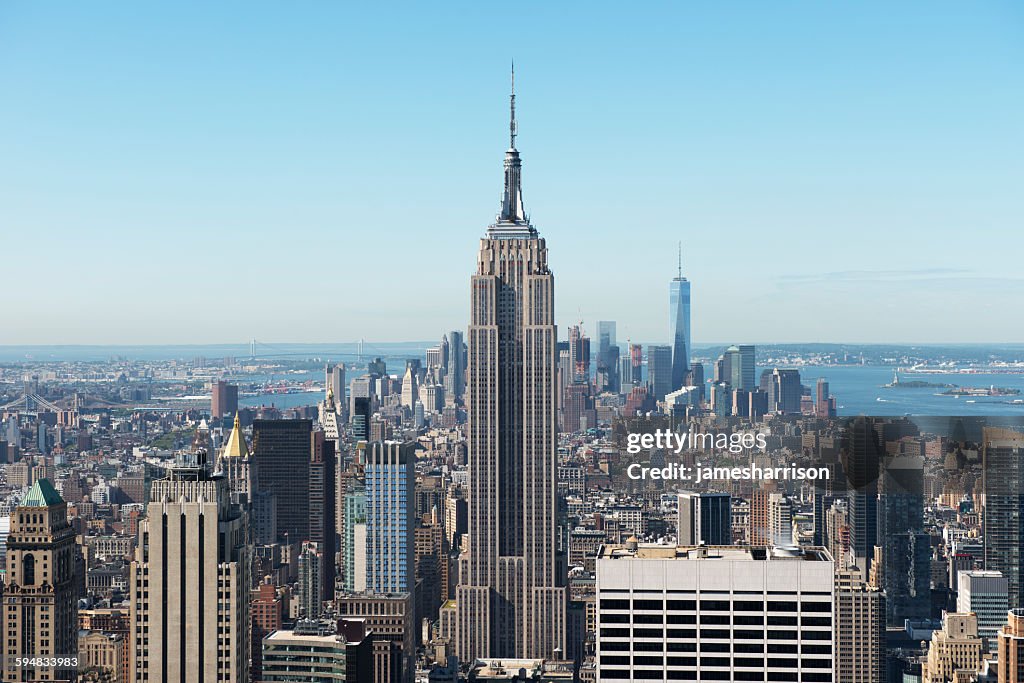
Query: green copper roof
point(41, 495)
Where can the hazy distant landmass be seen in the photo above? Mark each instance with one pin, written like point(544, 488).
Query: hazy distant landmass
point(776, 354)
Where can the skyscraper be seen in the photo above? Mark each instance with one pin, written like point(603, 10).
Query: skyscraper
point(1003, 483)
point(607, 357)
point(334, 376)
point(224, 399)
point(322, 492)
point(457, 363)
point(861, 463)
point(859, 629)
point(282, 450)
point(512, 602)
point(410, 389)
point(390, 523)
point(659, 371)
point(726, 613)
point(705, 518)
point(190, 582)
point(986, 593)
point(311, 594)
point(39, 614)
point(679, 323)
point(783, 388)
point(905, 547)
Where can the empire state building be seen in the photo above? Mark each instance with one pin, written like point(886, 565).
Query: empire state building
point(511, 602)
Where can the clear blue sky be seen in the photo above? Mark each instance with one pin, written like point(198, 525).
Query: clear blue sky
point(319, 172)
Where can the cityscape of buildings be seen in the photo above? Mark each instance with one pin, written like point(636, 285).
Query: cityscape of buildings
point(465, 514)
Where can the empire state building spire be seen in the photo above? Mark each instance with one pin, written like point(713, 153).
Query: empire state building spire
point(513, 217)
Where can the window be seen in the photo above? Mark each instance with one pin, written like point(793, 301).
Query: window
point(681, 618)
point(782, 606)
point(28, 570)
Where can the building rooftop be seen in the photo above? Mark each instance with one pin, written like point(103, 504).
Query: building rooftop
point(41, 495)
point(288, 636)
point(235, 446)
point(663, 551)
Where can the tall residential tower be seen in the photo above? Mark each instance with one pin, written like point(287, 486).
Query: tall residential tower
point(512, 601)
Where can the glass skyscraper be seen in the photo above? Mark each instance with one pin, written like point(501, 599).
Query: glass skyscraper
point(390, 481)
point(679, 322)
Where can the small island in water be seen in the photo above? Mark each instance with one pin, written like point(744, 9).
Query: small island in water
point(950, 389)
point(897, 383)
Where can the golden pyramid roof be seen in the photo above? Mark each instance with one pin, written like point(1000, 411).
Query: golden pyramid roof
point(235, 446)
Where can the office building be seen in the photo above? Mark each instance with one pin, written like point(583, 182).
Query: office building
point(362, 410)
point(987, 594)
point(312, 652)
point(696, 378)
point(730, 613)
point(39, 614)
point(1010, 648)
point(321, 490)
point(390, 520)
point(579, 355)
point(861, 459)
point(103, 653)
point(905, 546)
point(457, 364)
point(224, 399)
point(636, 362)
point(659, 371)
point(735, 367)
point(784, 390)
point(334, 383)
point(354, 538)
point(679, 325)
point(1003, 483)
point(859, 629)
point(410, 388)
point(282, 452)
point(511, 601)
point(607, 378)
point(780, 519)
point(704, 518)
point(267, 610)
point(190, 582)
point(310, 585)
point(954, 648)
point(390, 621)
point(824, 404)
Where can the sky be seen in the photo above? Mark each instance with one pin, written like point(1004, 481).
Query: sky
point(323, 172)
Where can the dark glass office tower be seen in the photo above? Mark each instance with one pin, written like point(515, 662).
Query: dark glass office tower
point(1003, 522)
point(906, 549)
point(282, 450)
point(705, 518)
point(861, 458)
